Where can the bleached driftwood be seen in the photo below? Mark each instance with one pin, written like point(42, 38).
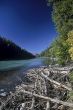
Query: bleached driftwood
point(32, 105)
point(22, 106)
point(40, 88)
point(49, 99)
point(55, 82)
point(47, 105)
point(33, 98)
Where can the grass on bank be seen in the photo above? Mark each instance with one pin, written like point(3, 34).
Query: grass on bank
point(71, 76)
point(71, 80)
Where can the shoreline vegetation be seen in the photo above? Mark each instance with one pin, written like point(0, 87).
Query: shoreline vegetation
point(62, 47)
point(46, 88)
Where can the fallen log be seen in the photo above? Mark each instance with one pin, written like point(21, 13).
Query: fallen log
point(52, 81)
point(48, 99)
point(55, 82)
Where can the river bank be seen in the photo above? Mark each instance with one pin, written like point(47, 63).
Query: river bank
point(45, 88)
point(12, 72)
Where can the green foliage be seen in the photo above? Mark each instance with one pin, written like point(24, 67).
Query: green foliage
point(71, 92)
point(63, 15)
point(70, 42)
point(62, 51)
point(71, 76)
point(59, 50)
point(62, 47)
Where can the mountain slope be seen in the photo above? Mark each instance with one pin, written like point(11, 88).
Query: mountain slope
point(11, 51)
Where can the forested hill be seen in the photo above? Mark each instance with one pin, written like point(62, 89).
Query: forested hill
point(11, 51)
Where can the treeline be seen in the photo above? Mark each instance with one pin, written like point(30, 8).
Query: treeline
point(62, 47)
point(11, 51)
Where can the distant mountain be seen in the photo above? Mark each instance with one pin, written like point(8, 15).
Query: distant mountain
point(11, 51)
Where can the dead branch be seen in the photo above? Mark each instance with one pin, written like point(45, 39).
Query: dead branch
point(47, 105)
point(49, 99)
point(55, 82)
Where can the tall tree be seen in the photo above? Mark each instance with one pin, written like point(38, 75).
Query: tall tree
point(62, 15)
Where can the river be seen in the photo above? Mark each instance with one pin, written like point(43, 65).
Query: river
point(12, 72)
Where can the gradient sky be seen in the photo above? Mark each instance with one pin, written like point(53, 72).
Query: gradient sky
point(28, 23)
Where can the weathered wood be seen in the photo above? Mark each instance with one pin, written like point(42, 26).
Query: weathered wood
point(40, 89)
point(33, 102)
point(49, 99)
point(33, 98)
point(45, 88)
point(55, 82)
point(47, 105)
point(46, 71)
point(22, 106)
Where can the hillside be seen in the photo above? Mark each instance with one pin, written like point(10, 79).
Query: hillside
point(11, 51)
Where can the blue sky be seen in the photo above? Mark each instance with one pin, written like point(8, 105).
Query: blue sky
point(28, 23)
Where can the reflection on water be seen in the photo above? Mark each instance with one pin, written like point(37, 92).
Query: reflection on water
point(12, 73)
point(49, 61)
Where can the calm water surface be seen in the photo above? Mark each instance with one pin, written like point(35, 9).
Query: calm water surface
point(12, 72)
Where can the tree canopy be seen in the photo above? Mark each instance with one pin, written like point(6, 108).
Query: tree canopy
point(62, 15)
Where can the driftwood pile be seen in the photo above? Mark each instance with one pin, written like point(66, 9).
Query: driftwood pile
point(45, 89)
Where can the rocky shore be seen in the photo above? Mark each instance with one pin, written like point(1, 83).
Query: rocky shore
point(45, 88)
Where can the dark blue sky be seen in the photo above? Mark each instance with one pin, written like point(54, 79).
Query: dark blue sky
point(28, 23)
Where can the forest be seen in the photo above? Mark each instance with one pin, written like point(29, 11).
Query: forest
point(11, 51)
point(62, 47)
